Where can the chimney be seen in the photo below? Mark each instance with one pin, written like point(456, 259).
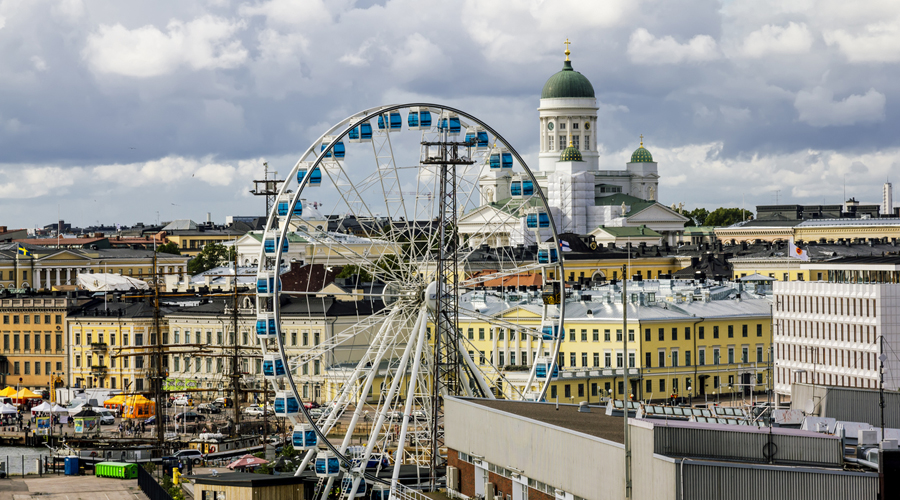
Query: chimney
point(209, 217)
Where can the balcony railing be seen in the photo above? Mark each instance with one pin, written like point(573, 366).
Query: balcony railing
point(100, 369)
point(98, 346)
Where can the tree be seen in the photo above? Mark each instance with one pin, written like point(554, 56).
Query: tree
point(170, 247)
point(727, 216)
point(212, 255)
point(698, 217)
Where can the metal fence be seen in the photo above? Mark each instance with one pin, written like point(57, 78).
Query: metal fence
point(150, 487)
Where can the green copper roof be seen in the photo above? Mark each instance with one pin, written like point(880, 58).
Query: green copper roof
point(570, 154)
point(567, 83)
point(641, 155)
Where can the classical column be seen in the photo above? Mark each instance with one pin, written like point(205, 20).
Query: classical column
point(58, 273)
point(48, 278)
point(69, 276)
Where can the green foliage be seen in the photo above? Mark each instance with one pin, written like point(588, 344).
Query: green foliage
point(174, 491)
point(727, 216)
point(150, 467)
point(698, 217)
point(170, 247)
point(212, 255)
point(384, 263)
point(353, 269)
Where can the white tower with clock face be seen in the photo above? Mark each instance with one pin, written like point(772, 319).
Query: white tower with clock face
point(568, 115)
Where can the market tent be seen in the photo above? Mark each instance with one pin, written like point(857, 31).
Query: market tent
point(9, 391)
point(115, 401)
point(43, 407)
point(138, 406)
point(247, 461)
point(59, 409)
point(25, 394)
point(8, 409)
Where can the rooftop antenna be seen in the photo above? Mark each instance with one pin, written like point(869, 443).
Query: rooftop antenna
point(776, 195)
point(267, 187)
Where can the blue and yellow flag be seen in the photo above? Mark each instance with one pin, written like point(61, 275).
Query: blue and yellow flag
point(23, 251)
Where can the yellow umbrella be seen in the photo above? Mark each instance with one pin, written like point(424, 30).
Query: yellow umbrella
point(9, 391)
point(26, 394)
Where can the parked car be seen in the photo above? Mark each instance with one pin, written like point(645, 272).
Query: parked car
point(106, 417)
point(152, 420)
point(208, 408)
point(190, 454)
point(183, 400)
point(310, 405)
point(224, 402)
point(189, 416)
point(256, 411)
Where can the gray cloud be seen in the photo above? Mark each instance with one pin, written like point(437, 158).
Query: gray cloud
point(173, 107)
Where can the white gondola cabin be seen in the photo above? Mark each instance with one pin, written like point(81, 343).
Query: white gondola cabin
point(273, 366)
point(265, 325)
point(327, 465)
point(286, 404)
point(304, 437)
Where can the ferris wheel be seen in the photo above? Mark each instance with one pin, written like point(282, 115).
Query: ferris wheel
point(403, 230)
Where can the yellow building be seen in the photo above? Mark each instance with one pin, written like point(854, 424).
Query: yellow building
point(33, 331)
point(681, 341)
point(45, 268)
point(778, 268)
point(191, 237)
point(110, 344)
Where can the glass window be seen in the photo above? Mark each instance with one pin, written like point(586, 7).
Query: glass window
point(700, 332)
point(606, 335)
point(701, 357)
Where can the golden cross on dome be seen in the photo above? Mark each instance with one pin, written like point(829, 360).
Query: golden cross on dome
point(642, 140)
point(567, 49)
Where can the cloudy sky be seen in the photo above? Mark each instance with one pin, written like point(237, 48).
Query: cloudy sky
point(118, 111)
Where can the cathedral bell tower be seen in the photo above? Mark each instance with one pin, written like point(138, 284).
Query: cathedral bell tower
point(568, 115)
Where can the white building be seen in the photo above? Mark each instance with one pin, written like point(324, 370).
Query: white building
point(581, 196)
point(829, 333)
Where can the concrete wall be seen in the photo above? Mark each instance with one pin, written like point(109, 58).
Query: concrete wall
point(653, 476)
point(548, 454)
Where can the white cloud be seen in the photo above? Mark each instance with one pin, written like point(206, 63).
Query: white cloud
point(289, 12)
point(204, 43)
point(818, 108)
point(30, 181)
point(877, 43)
point(770, 39)
point(38, 63)
point(416, 56)
point(70, 10)
point(166, 171)
point(644, 48)
point(526, 30)
point(700, 175)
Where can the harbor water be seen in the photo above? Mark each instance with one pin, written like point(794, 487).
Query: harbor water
point(17, 456)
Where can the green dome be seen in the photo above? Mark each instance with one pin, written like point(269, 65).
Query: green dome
point(571, 153)
point(641, 155)
point(567, 83)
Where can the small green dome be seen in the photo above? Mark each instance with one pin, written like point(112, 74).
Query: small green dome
point(571, 153)
point(641, 155)
point(567, 83)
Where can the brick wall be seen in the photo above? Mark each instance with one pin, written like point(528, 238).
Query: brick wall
point(502, 485)
point(466, 473)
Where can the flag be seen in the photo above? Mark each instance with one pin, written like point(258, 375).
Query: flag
point(796, 251)
point(23, 251)
point(564, 245)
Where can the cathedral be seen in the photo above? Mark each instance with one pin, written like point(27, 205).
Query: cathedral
point(583, 199)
